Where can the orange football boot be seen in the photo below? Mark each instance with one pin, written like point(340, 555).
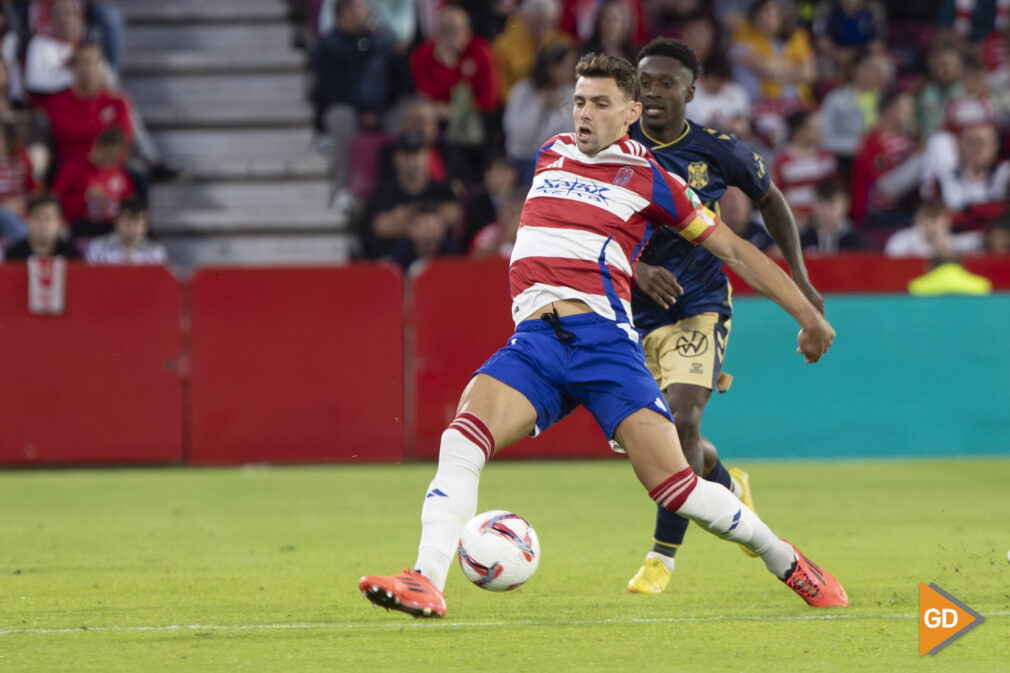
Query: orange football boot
point(409, 592)
point(814, 584)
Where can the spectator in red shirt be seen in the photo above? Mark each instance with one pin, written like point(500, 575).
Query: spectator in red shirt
point(93, 187)
point(78, 114)
point(16, 183)
point(455, 55)
point(888, 166)
point(802, 164)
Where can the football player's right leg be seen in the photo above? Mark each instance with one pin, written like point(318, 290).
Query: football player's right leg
point(490, 414)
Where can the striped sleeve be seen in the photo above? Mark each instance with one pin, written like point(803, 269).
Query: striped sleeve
point(675, 205)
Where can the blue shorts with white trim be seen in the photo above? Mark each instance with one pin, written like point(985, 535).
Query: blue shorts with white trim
point(599, 365)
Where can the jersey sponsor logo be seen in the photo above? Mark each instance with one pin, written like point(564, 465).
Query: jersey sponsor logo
point(587, 191)
point(697, 174)
point(696, 345)
point(624, 176)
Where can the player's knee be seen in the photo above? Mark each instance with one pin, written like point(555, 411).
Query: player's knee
point(688, 421)
point(711, 455)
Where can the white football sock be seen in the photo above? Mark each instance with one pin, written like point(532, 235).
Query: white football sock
point(715, 508)
point(451, 500)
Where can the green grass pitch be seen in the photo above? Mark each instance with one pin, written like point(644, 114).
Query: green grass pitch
point(256, 570)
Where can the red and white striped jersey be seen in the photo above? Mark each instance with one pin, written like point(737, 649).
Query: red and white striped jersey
point(586, 220)
point(798, 174)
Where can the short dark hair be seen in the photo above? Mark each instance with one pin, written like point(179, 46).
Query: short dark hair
point(932, 208)
point(889, 99)
point(546, 58)
point(671, 48)
point(611, 67)
point(1002, 222)
point(84, 46)
point(44, 199)
point(133, 205)
point(796, 120)
point(718, 64)
point(829, 190)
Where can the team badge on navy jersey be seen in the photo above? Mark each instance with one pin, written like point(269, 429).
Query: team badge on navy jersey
point(709, 161)
point(697, 174)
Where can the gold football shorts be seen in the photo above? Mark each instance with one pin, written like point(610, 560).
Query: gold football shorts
point(689, 351)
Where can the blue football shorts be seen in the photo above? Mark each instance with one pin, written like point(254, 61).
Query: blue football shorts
point(598, 364)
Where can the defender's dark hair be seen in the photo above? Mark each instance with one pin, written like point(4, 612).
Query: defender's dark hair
point(612, 67)
point(671, 48)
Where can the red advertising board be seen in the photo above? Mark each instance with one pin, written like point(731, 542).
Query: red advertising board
point(296, 364)
point(99, 383)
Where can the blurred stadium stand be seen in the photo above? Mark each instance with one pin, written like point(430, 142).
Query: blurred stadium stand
point(224, 91)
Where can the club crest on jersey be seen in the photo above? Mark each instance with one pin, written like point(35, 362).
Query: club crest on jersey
point(588, 191)
point(624, 176)
point(697, 174)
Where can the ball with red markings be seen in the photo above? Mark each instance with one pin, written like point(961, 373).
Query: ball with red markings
point(498, 550)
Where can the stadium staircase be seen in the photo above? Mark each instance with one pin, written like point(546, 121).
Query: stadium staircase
point(224, 92)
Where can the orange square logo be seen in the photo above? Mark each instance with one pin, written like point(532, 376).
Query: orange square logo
point(942, 619)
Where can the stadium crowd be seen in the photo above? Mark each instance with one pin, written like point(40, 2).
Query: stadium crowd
point(882, 123)
point(75, 156)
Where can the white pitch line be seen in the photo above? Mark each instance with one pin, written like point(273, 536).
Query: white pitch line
point(437, 623)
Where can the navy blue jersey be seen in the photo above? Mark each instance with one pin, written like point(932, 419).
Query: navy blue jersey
point(709, 161)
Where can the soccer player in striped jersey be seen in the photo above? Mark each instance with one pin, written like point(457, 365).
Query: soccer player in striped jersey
point(596, 198)
point(682, 301)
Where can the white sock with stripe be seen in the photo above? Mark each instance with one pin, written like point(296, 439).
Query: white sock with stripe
point(723, 515)
point(451, 499)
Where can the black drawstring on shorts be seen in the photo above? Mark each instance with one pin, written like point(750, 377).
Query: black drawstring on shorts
point(554, 320)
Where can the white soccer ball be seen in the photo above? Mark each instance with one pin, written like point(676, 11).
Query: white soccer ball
point(498, 550)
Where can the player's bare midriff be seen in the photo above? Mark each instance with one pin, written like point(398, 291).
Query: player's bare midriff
point(563, 307)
